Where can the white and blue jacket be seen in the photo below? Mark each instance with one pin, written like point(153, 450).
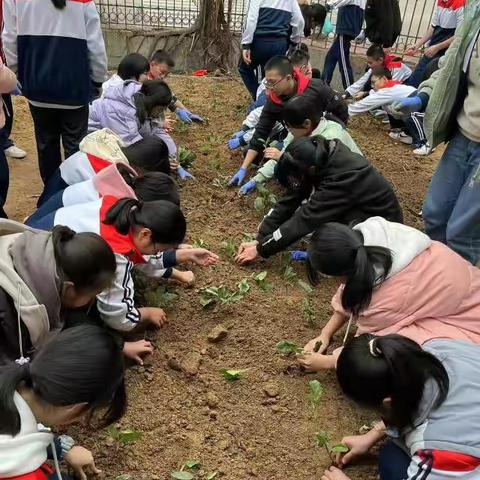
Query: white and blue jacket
point(351, 14)
point(59, 54)
point(275, 19)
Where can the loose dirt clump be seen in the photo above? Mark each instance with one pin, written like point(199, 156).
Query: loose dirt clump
point(261, 425)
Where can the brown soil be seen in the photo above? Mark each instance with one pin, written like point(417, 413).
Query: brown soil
point(233, 428)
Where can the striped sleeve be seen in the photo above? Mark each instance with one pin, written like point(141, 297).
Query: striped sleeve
point(96, 46)
point(116, 304)
point(251, 24)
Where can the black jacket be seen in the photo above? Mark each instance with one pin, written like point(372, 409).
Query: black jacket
point(319, 93)
point(348, 189)
point(383, 22)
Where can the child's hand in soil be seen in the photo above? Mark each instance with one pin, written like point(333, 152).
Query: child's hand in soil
point(169, 125)
point(79, 459)
point(359, 446)
point(324, 343)
point(153, 315)
point(174, 166)
point(136, 350)
point(334, 473)
point(199, 256)
point(272, 153)
point(359, 95)
point(188, 277)
point(315, 362)
point(247, 253)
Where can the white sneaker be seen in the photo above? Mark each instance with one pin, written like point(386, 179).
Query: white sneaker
point(379, 113)
point(15, 152)
point(423, 151)
point(402, 137)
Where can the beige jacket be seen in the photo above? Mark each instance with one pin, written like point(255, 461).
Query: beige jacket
point(8, 83)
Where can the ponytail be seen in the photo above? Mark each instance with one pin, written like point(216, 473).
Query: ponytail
point(11, 378)
point(337, 250)
point(164, 219)
point(371, 369)
point(60, 4)
point(154, 93)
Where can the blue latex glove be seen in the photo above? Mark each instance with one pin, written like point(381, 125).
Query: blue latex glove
point(237, 179)
point(184, 116)
point(299, 255)
point(233, 143)
point(249, 187)
point(195, 118)
point(183, 174)
point(406, 106)
point(238, 134)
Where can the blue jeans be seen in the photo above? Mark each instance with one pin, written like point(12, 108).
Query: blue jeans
point(393, 462)
point(339, 53)
point(44, 223)
point(451, 210)
point(417, 76)
point(262, 50)
point(53, 186)
point(51, 205)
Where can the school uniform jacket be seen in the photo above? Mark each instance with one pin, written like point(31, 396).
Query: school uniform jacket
point(116, 304)
point(316, 90)
point(447, 16)
point(347, 188)
point(59, 53)
point(274, 19)
point(399, 70)
point(391, 92)
point(350, 16)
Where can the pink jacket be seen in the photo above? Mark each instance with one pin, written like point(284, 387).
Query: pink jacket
point(437, 295)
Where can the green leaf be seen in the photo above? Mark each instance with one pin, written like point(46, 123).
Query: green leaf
point(287, 348)
point(232, 375)
point(243, 287)
point(182, 475)
point(315, 393)
point(321, 439)
point(260, 277)
point(212, 476)
point(124, 476)
point(340, 448)
point(192, 464)
point(305, 286)
point(126, 437)
point(205, 302)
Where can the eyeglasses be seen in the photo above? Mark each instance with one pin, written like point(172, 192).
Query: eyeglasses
point(271, 85)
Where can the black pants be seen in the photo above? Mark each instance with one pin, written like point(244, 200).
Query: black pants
point(51, 126)
point(6, 131)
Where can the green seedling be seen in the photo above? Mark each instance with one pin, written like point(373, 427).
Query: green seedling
point(229, 247)
point(315, 393)
point(223, 295)
point(248, 237)
point(340, 448)
point(308, 312)
point(199, 243)
point(123, 437)
point(159, 297)
point(261, 281)
point(243, 287)
point(212, 476)
point(185, 157)
point(205, 149)
point(191, 464)
point(289, 348)
point(264, 200)
point(221, 181)
point(214, 139)
point(181, 475)
point(289, 274)
point(232, 375)
point(321, 440)
point(305, 286)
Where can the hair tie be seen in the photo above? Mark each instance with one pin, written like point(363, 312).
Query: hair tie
point(374, 350)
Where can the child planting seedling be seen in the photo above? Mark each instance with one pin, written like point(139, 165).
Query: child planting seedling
point(289, 348)
point(223, 295)
point(322, 439)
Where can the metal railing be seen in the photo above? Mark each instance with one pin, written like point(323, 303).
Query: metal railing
point(171, 14)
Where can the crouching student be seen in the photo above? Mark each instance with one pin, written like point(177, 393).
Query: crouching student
point(161, 64)
point(325, 182)
point(132, 67)
point(303, 119)
point(134, 111)
point(77, 374)
point(99, 150)
point(378, 262)
point(376, 57)
point(427, 399)
point(43, 275)
point(134, 230)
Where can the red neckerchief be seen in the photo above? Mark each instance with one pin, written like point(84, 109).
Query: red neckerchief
point(391, 62)
point(302, 84)
point(451, 4)
point(121, 244)
point(391, 83)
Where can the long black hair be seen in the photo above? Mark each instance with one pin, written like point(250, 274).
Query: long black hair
point(85, 259)
point(148, 155)
point(371, 369)
point(60, 4)
point(302, 162)
point(164, 219)
point(82, 364)
point(133, 66)
point(151, 186)
point(338, 251)
point(154, 93)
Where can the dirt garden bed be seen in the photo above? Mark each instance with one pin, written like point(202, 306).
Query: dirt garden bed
point(261, 426)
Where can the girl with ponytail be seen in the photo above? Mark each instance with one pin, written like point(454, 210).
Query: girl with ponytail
point(427, 398)
point(135, 111)
point(147, 235)
point(393, 279)
point(325, 182)
point(76, 375)
point(43, 276)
